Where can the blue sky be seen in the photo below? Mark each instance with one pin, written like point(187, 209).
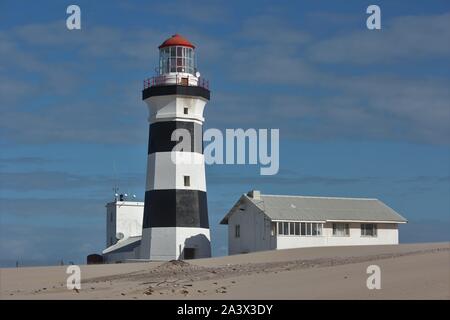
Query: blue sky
point(361, 113)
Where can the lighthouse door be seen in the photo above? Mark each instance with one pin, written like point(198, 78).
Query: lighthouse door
point(189, 253)
point(184, 81)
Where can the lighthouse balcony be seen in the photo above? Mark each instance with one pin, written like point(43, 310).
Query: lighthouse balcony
point(176, 83)
point(180, 79)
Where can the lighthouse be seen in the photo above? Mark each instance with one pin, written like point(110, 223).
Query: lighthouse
point(175, 220)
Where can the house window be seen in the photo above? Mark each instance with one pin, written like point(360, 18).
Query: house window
point(283, 228)
point(186, 110)
point(308, 229)
point(273, 229)
point(286, 228)
point(368, 230)
point(187, 181)
point(297, 228)
point(319, 229)
point(341, 229)
point(291, 228)
point(303, 229)
point(314, 229)
point(237, 231)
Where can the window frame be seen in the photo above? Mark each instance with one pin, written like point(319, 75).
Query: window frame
point(346, 229)
point(364, 230)
point(299, 228)
point(292, 228)
point(302, 229)
point(187, 181)
point(273, 228)
point(286, 228)
point(280, 228)
point(176, 59)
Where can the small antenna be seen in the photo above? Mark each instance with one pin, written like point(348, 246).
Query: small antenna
point(116, 188)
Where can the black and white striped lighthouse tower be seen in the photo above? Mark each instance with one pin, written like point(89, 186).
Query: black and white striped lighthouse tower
point(175, 222)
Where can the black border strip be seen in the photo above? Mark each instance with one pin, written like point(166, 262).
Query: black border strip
point(193, 91)
point(160, 134)
point(175, 208)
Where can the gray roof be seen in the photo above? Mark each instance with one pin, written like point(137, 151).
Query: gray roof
point(124, 245)
point(303, 208)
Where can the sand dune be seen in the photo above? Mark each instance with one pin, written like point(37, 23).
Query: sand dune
point(409, 271)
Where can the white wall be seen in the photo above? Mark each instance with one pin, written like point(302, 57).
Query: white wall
point(386, 234)
point(169, 243)
point(197, 238)
point(255, 233)
point(254, 230)
point(164, 173)
point(168, 107)
point(127, 219)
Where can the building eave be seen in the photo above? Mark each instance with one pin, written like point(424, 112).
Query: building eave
point(121, 244)
point(230, 212)
point(339, 220)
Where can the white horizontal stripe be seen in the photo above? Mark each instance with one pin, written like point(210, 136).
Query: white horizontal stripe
point(172, 106)
point(166, 170)
point(176, 119)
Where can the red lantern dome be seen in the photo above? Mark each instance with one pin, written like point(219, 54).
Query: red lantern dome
point(176, 40)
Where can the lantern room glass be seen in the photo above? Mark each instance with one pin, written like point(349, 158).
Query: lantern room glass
point(176, 59)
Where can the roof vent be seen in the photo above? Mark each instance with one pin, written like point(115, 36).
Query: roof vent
point(255, 194)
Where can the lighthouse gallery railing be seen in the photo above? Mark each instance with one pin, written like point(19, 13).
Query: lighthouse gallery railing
point(163, 80)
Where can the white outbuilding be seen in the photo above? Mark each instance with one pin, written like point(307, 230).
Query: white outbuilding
point(268, 222)
point(123, 230)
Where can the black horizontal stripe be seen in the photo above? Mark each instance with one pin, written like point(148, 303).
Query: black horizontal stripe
point(160, 135)
point(194, 91)
point(175, 208)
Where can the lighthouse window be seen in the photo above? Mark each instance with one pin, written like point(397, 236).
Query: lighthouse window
point(177, 59)
point(187, 181)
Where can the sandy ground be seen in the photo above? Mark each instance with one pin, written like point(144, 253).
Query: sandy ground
point(409, 271)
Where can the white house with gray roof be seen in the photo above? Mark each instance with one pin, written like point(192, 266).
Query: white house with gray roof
point(265, 222)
